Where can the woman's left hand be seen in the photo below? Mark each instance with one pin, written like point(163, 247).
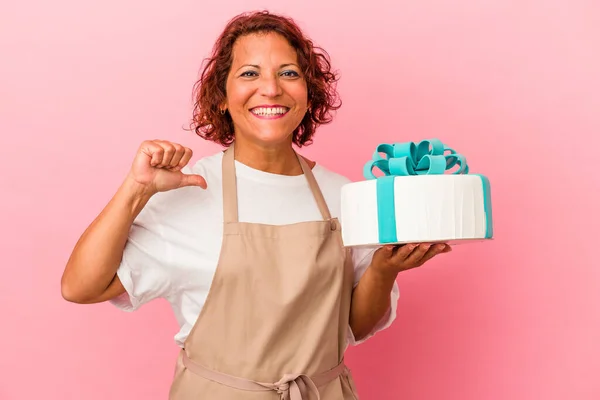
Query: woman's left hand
point(393, 259)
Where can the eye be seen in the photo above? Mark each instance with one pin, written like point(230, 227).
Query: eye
point(290, 74)
point(248, 73)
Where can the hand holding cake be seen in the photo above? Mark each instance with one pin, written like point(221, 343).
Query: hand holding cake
point(391, 260)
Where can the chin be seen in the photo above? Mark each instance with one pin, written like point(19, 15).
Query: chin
point(273, 139)
point(275, 136)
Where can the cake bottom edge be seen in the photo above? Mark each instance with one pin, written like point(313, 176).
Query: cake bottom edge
point(451, 242)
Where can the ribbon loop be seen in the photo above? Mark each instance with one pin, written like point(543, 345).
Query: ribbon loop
point(427, 157)
point(296, 387)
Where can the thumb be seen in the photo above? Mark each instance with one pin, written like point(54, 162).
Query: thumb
point(192, 180)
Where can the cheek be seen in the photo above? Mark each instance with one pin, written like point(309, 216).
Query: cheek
point(235, 98)
point(302, 102)
point(301, 91)
point(302, 97)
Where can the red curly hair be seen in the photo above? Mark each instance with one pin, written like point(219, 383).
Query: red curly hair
point(210, 92)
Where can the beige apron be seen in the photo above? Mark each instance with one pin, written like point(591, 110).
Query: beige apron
point(275, 320)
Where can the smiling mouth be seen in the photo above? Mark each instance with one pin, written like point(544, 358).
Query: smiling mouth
point(269, 112)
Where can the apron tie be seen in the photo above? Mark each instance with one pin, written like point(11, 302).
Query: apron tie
point(289, 387)
point(294, 387)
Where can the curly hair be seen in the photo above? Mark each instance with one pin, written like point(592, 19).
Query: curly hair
point(210, 90)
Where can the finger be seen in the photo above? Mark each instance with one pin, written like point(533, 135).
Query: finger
point(433, 251)
point(401, 252)
point(418, 253)
point(179, 152)
point(168, 152)
point(193, 180)
point(185, 159)
point(155, 152)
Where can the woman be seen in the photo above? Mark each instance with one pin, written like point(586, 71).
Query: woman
point(246, 244)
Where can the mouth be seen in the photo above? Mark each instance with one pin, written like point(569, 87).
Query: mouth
point(269, 111)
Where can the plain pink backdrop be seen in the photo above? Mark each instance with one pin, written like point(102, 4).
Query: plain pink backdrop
point(515, 88)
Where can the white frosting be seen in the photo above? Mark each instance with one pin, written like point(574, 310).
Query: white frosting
point(429, 208)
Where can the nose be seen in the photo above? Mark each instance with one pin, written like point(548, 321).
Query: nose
point(270, 86)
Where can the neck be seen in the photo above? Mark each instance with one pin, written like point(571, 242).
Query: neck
point(278, 158)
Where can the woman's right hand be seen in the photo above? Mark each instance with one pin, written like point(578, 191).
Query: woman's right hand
point(157, 167)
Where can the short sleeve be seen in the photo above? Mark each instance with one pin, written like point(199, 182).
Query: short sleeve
point(361, 258)
point(144, 266)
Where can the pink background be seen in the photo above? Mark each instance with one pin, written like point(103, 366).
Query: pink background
point(514, 88)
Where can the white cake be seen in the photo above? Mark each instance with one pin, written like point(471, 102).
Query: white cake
point(416, 208)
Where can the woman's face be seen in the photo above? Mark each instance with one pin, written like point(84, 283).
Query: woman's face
point(266, 92)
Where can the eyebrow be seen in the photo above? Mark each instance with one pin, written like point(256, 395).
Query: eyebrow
point(258, 67)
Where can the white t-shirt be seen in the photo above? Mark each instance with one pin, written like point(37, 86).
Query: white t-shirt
point(175, 242)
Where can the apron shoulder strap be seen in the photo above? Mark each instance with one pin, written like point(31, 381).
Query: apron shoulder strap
point(230, 201)
point(314, 187)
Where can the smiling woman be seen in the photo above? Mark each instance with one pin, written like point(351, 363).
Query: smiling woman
point(246, 244)
point(264, 49)
point(265, 68)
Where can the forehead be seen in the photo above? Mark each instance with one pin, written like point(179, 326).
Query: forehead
point(263, 49)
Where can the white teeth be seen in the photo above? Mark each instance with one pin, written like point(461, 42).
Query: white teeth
point(264, 111)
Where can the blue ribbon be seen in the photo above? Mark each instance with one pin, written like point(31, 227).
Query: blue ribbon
point(403, 159)
point(425, 158)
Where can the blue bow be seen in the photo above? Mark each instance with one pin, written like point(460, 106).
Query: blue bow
point(425, 158)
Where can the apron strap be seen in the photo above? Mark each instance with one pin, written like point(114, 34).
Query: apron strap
point(230, 200)
point(230, 206)
point(314, 187)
